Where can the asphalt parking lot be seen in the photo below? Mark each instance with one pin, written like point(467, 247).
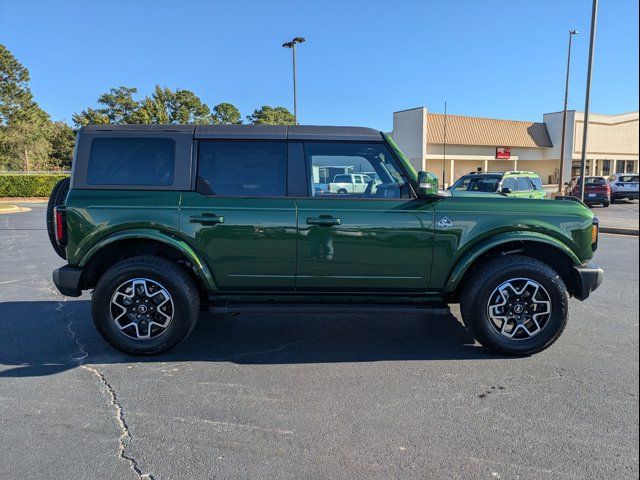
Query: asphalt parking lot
point(311, 396)
point(622, 214)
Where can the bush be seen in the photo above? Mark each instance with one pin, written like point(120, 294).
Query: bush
point(28, 185)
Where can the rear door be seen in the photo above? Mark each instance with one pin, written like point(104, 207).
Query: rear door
point(241, 217)
point(377, 240)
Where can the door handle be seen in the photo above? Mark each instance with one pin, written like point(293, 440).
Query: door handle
point(323, 221)
point(207, 219)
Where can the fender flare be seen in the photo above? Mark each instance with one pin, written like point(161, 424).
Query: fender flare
point(171, 240)
point(471, 255)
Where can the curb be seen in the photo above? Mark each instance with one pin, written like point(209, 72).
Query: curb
point(24, 199)
point(620, 231)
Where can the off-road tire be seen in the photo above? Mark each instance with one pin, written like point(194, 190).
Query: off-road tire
point(492, 273)
point(57, 198)
point(178, 283)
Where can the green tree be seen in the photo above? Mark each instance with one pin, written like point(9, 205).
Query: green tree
point(226, 114)
point(271, 116)
point(119, 107)
point(62, 139)
point(15, 94)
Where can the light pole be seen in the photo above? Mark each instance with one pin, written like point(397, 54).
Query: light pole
point(564, 114)
point(592, 41)
point(292, 46)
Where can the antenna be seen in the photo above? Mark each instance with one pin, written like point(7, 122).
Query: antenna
point(444, 146)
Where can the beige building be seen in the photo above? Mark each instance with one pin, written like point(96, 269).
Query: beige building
point(486, 144)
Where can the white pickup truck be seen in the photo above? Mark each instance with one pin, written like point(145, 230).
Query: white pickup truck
point(349, 183)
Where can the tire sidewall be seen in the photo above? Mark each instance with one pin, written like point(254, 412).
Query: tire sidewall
point(181, 323)
point(551, 331)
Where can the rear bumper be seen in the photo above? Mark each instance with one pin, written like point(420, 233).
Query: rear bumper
point(629, 195)
point(67, 280)
point(588, 277)
point(599, 198)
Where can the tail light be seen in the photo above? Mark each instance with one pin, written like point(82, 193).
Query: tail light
point(595, 231)
point(61, 225)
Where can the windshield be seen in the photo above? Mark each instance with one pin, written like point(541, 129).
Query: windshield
point(596, 181)
point(477, 183)
point(406, 163)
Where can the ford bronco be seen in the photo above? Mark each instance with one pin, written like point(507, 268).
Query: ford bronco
point(163, 221)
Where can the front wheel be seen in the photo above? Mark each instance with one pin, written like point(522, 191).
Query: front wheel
point(606, 204)
point(145, 305)
point(515, 305)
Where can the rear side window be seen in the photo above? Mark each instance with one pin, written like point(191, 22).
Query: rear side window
point(342, 179)
point(523, 184)
point(244, 169)
point(131, 161)
point(537, 183)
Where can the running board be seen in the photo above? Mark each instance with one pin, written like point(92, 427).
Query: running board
point(368, 308)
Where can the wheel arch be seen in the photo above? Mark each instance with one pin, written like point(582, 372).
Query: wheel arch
point(542, 247)
point(123, 245)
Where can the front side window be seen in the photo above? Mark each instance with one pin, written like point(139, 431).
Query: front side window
point(523, 184)
point(385, 179)
point(131, 161)
point(243, 169)
point(477, 183)
point(510, 183)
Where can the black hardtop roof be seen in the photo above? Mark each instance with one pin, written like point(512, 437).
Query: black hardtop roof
point(252, 132)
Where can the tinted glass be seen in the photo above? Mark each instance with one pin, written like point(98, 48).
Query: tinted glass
point(477, 183)
point(244, 169)
point(324, 158)
point(537, 183)
point(131, 161)
point(628, 178)
point(596, 181)
point(510, 183)
point(523, 184)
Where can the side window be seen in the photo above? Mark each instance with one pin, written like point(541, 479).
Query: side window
point(536, 183)
point(131, 161)
point(523, 184)
point(385, 177)
point(510, 183)
point(243, 169)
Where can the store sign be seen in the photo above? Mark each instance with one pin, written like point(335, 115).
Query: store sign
point(503, 153)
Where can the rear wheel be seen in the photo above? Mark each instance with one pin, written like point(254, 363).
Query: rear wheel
point(57, 198)
point(515, 305)
point(145, 305)
point(606, 204)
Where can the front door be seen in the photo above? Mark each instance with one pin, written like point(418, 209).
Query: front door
point(380, 239)
point(240, 216)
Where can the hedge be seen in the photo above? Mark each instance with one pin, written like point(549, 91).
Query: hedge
point(28, 185)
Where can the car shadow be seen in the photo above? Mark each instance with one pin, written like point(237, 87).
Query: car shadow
point(44, 338)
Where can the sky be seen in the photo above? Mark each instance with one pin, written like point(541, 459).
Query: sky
point(362, 60)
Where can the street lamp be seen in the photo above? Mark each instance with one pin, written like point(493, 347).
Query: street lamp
point(292, 46)
point(564, 114)
point(592, 41)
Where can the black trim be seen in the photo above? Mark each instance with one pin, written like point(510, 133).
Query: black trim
point(364, 308)
point(588, 278)
point(67, 280)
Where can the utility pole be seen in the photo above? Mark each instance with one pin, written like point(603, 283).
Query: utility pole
point(292, 46)
point(592, 40)
point(564, 115)
point(444, 147)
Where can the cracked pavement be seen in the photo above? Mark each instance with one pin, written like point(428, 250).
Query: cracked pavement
point(315, 396)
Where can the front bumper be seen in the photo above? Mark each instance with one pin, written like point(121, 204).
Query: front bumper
point(67, 280)
point(588, 278)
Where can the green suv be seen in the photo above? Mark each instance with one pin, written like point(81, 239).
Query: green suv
point(514, 183)
point(162, 222)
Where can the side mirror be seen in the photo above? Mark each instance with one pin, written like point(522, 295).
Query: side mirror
point(427, 185)
point(506, 190)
